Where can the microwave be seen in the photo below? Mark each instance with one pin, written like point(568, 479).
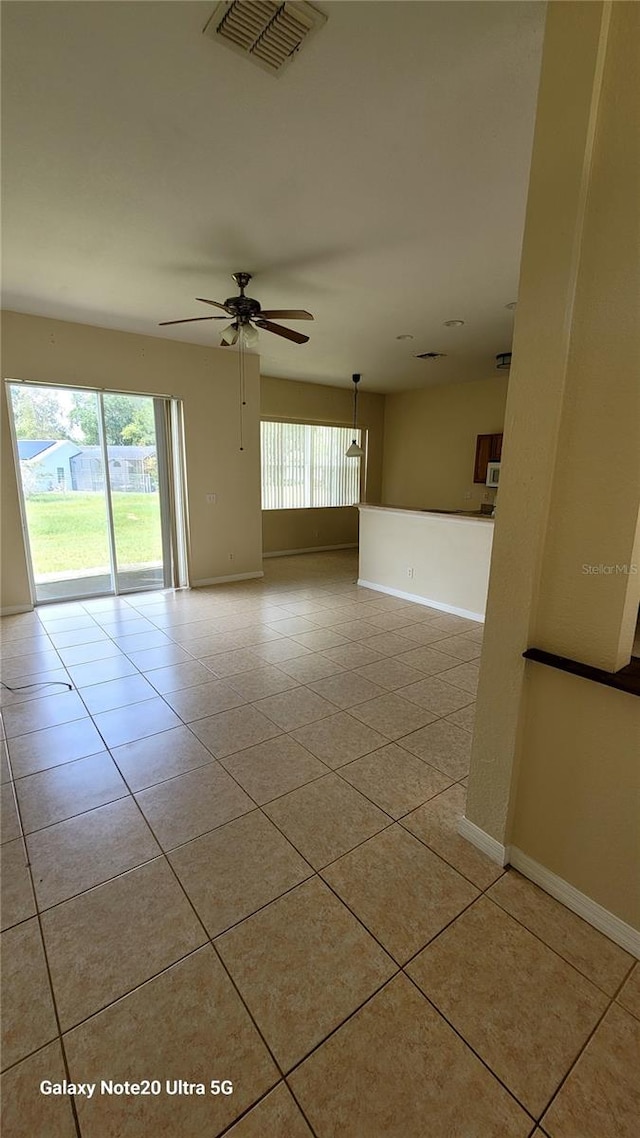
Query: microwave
point(493, 473)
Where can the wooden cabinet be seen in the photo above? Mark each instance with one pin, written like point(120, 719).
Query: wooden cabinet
point(488, 449)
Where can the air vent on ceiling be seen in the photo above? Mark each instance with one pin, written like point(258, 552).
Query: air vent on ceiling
point(431, 356)
point(270, 34)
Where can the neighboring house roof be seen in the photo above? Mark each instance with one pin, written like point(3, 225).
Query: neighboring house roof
point(29, 448)
point(130, 452)
point(38, 448)
point(54, 449)
point(117, 452)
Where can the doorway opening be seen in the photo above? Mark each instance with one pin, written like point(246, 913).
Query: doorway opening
point(102, 490)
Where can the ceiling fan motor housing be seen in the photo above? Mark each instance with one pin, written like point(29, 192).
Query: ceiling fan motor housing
point(243, 307)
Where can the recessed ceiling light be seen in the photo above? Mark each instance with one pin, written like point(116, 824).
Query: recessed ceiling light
point(405, 336)
point(512, 304)
point(453, 323)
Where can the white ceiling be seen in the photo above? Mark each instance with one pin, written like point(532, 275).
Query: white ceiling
point(379, 182)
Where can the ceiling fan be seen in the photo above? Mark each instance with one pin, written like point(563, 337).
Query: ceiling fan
point(247, 315)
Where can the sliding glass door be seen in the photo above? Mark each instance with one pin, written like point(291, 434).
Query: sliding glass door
point(94, 474)
point(130, 433)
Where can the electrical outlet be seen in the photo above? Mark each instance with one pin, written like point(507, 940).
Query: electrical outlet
point(211, 499)
point(467, 495)
point(231, 557)
point(410, 573)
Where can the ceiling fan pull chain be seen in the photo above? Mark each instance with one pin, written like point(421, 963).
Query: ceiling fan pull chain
point(241, 385)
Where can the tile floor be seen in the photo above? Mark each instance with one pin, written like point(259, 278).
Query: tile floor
point(240, 862)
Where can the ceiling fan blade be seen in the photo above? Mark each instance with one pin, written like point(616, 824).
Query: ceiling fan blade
point(286, 314)
point(190, 320)
point(288, 333)
point(215, 303)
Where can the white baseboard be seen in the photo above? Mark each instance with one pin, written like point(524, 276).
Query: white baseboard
point(418, 600)
point(594, 914)
point(13, 610)
point(311, 549)
point(483, 841)
point(225, 580)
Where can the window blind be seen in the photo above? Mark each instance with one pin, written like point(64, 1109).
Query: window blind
point(305, 465)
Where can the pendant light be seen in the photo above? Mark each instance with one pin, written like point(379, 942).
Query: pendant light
point(355, 451)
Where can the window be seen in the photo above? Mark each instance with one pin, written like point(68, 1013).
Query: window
point(304, 465)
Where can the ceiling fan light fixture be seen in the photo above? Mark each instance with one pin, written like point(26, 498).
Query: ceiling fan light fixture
point(230, 335)
point(249, 335)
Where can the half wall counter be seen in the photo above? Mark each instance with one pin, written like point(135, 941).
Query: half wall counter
point(434, 558)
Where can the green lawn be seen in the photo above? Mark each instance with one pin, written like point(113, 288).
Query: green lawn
point(68, 532)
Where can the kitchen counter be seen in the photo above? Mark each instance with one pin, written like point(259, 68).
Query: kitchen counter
point(473, 515)
point(432, 557)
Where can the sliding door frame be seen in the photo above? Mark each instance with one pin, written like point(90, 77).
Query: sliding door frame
point(21, 503)
point(111, 531)
point(171, 485)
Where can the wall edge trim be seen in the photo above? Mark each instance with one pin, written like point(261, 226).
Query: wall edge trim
point(310, 549)
point(13, 610)
point(483, 841)
point(594, 914)
point(418, 600)
point(222, 580)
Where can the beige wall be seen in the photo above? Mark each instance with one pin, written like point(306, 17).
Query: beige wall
point(554, 767)
point(577, 807)
point(51, 351)
point(317, 403)
point(430, 443)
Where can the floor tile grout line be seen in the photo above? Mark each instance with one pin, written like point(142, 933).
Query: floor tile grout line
point(210, 941)
point(110, 1003)
point(180, 845)
point(400, 968)
point(252, 1106)
point(212, 830)
point(254, 912)
point(330, 770)
point(45, 954)
point(611, 1001)
point(300, 1107)
point(482, 888)
point(334, 1030)
point(222, 963)
point(252, 702)
point(399, 965)
point(484, 892)
point(469, 1047)
point(79, 813)
point(556, 951)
